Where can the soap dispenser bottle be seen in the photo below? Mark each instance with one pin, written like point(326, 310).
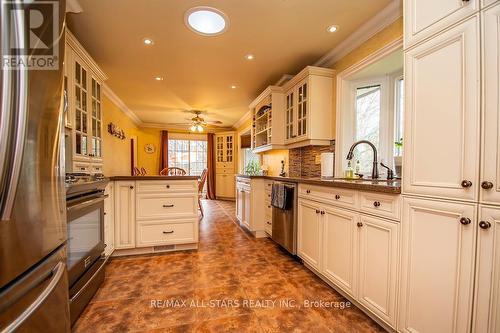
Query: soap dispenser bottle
point(349, 172)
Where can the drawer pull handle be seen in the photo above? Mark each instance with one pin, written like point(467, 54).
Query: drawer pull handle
point(131, 187)
point(376, 204)
point(168, 232)
point(465, 220)
point(308, 191)
point(317, 211)
point(168, 186)
point(269, 223)
point(268, 206)
point(168, 206)
point(484, 225)
point(337, 197)
point(359, 224)
point(322, 212)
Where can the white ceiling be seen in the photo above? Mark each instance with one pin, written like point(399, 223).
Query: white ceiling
point(284, 36)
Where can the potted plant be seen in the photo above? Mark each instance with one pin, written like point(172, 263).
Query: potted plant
point(252, 168)
point(398, 160)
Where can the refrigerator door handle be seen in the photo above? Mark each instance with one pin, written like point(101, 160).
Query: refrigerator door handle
point(57, 273)
point(21, 104)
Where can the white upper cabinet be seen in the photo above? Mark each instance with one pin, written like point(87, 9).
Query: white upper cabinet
point(424, 18)
point(339, 248)
point(490, 170)
point(487, 302)
point(308, 106)
point(309, 233)
point(442, 114)
point(267, 120)
point(437, 266)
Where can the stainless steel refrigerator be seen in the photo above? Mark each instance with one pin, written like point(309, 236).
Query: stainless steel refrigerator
point(33, 275)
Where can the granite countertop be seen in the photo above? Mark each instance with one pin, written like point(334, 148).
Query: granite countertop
point(154, 178)
point(379, 185)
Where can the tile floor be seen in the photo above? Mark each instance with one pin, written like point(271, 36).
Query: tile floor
point(233, 283)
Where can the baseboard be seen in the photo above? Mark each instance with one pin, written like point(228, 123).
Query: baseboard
point(153, 249)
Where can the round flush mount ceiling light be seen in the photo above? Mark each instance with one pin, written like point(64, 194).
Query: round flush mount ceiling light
point(233, 87)
point(148, 41)
point(249, 57)
point(332, 28)
point(159, 78)
point(206, 21)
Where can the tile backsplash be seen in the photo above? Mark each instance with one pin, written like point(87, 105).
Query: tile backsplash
point(302, 161)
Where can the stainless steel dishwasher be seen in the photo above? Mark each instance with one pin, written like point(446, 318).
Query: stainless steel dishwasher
point(285, 220)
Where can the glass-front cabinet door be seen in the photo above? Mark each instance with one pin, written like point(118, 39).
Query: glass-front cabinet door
point(289, 115)
point(220, 148)
point(96, 117)
point(81, 128)
point(229, 148)
point(302, 110)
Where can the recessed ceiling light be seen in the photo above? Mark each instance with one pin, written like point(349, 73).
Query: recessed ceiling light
point(332, 28)
point(148, 41)
point(159, 78)
point(233, 87)
point(206, 21)
point(249, 57)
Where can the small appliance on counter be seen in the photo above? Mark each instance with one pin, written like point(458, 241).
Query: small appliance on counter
point(326, 165)
point(85, 220)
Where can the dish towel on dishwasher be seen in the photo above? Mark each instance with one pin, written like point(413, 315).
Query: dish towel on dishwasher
point(278, 196)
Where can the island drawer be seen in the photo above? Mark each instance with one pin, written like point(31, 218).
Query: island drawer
point(331, 195)
point(154, 206)
point(165, 186)
point(385, 205)
point(158, 233)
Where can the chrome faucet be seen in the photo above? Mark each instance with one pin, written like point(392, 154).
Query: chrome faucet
point(350, 155)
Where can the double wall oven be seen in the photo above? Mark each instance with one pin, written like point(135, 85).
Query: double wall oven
point(85, 217)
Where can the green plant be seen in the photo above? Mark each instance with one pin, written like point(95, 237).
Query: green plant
point(399, 143)
point(252, 168)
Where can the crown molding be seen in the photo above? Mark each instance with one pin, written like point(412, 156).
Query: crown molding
point(384, 18)
point(118, 102)
point(243, 119)
point(183, 128)
point(268, 91)
point(72, 42)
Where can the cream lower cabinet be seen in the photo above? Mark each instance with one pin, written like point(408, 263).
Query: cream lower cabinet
point(309, 233)
point(437, 266)
point(356, 252)
point(124, 214)
point(250, 205)
point(109, 220)
point(487, 301)
point(224, 185)
point(240, 198)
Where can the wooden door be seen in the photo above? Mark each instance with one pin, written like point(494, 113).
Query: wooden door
point(378, 266)
point(441, 139)
point(309, 233)
point(424, 18)
point(437, 278)
point(490, 164)
point(340, 248)
point(124, 214)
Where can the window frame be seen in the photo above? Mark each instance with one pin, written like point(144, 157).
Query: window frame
point(188, 151)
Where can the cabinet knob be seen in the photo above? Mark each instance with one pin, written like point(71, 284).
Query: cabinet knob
point(168, 232)
point(268, 206)
point(322, 212)
point(376, 204)
point(484, 225)
point(168, 186)
point(465, 220)
point(359, 224)
point(466, 183)
point(487, 185)
point(317, 211)
point(269, 223)
point(308, 191)
point(131, 187)
point(337, 197)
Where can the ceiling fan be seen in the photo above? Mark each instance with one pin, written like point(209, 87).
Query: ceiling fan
point(197, 123)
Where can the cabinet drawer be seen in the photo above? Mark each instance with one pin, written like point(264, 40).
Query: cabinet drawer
point(81, 167)
point(163, 186)
point(330, 195)
point(153, 233)
point(227, 171)
point(154, 206)
point(385, 205)
point(96, 168)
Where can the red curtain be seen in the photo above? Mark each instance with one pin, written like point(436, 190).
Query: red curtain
point(163, 151)
point(210, 166)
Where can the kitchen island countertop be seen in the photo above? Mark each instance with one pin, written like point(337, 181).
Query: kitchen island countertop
point(153, 178)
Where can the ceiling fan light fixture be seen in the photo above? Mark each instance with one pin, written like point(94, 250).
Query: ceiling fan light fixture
point(199, 128)
point(206, 21)
point(193, 128)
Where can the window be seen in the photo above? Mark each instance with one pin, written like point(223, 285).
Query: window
point(248, 156)
point(190, 155)
point(368, 105)
point(399, 111)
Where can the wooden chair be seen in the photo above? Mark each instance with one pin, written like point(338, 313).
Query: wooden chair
point(201, 184)
point(173, 171)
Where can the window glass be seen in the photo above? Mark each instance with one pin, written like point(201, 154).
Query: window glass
point(190, 155)
point(399, 112)
point(367, 124)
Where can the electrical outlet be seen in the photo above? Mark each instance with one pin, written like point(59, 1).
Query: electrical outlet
point(318, 159)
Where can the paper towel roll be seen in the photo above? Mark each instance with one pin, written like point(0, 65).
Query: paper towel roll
point(327, 165)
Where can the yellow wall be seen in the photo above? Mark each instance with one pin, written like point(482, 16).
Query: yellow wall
point(116, 152)
point(273, 160)
point(391, 33)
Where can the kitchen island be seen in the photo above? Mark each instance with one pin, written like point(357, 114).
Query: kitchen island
point(151, 214)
